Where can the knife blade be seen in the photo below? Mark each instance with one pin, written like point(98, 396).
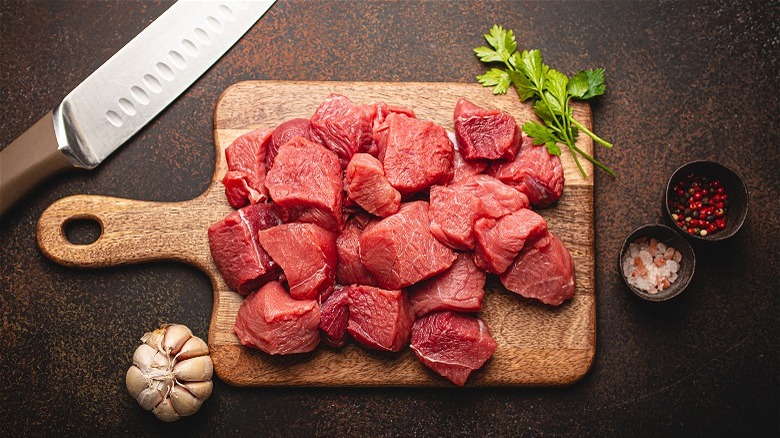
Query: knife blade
point(125, 93)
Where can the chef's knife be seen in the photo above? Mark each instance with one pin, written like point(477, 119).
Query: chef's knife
point(125, 93)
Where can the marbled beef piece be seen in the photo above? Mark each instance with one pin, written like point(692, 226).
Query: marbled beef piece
point(379, 319)
point(455, 209)
point(452, 344)
point(379, 130)
point(487, 134)
point(307, 255)
point(343, 127)
point(459, 288)
point(350, 269)
point(369, 188)
point(464, 169)
point(453, 214)
point(415, 154)
point(334, 317)
point(238, 191)
point(269, 319)
point(497, 198)
point(283, 133)
point(400, 250)
point(246, 168)
point(543, 271)
point(306, 183)
point(498, 241)
point(241, 260)
point(384, 109)
point(534, 172)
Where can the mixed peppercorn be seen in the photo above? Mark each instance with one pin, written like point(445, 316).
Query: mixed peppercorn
point(698, 205)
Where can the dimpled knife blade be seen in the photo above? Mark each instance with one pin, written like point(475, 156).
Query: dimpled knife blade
point(147, 74)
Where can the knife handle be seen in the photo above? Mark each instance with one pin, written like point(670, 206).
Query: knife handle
point(28, 161)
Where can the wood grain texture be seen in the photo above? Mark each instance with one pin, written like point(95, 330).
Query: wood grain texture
point(537, 344)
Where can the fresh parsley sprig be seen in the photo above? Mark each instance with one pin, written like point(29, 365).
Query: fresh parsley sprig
point(550, 90)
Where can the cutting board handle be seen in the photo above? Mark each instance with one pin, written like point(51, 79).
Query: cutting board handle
point(131, 231)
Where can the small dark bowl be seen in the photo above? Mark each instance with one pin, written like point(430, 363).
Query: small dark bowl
point(669, 237)
point(733, 186)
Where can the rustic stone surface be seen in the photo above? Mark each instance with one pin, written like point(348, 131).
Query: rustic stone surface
point(705, 363)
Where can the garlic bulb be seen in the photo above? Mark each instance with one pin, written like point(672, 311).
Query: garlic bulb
point(171, 372)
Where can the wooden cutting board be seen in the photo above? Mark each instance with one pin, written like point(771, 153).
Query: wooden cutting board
point(537, 344)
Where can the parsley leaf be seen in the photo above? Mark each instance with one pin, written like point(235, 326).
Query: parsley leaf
point(542, 135)
point(503, 41)
point(549, 89)
point(496, 78)
point(578, 85)
point(487, 54)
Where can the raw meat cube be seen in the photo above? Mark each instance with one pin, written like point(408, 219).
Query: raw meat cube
point(343, 127)
point(368, 187)
point(456, 208)
point(350, 269)
point(400, 250)
point(238, 191)
point(497, 198)
point(334, 317)
point(543, 271)
point(452, 344)
point(379, 130)
point(485, 134)
point(500, 240)
point(534, 172)
point(459, 288)
point(379, 319)
point(306, 182)
point(244, 265)
point(415, 154)
point(269, 319)
point(307, 255)
point(283, 133)
point(246, 168)
point(384, 109)
point(464, 169)
point(453, 213)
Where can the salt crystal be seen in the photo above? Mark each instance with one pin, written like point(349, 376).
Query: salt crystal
point(650, 265)
point(653, 246)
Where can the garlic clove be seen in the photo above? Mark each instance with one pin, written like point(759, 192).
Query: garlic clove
point(196, 369)
point(136, 381)
point(154, 339)
point(144, 357)
point(192, 348)
point(176, 335)
point(184, 402)
point(201, 390)
point(161, 361)
point(165, 411)
point(149, 398)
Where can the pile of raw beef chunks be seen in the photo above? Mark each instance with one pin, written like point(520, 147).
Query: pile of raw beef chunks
point(369, 223)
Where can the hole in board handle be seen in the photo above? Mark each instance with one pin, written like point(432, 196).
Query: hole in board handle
point(84, 230)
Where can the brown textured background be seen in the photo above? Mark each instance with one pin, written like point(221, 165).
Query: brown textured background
point(686, 80)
